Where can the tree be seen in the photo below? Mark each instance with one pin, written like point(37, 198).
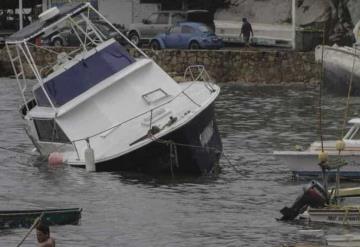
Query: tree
point(339, 25)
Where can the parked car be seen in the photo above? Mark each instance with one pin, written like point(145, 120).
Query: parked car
point(67, 37)
point(187, 35)
point(9, 24)
point(160, 22)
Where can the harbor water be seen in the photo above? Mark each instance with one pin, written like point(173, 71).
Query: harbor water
point(239, 207)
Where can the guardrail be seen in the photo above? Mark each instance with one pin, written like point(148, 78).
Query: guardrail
point(202, 75)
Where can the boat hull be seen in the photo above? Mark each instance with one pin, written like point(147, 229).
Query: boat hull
point(339, 69)
point(192, 155)
point(306, 164)
point(337, 80)
point(342, 216)
point(25, 218)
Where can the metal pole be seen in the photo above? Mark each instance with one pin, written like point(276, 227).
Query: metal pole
point(293, 18)
point(21, 24)
point(44, 5)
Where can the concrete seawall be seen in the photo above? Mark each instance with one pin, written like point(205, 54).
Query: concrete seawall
point(243, 66)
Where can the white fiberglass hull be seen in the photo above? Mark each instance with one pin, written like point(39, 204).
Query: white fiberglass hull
point(339, 215)
point(306, 163)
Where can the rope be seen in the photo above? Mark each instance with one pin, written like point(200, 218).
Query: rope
point(320, 92)
point(35, 223)
point(348, 96)
point(322, 164)
point(161, 141)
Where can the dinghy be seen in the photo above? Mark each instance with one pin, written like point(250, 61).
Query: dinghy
point(25, 218)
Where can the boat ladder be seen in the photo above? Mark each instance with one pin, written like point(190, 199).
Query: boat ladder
point(18, 69)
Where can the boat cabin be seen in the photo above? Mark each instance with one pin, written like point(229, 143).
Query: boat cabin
point(75, 71)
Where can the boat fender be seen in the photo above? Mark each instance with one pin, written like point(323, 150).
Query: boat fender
point(323, 157)
point(89, 158)
point(340, 145)
point(55, 159)
point(298, 148)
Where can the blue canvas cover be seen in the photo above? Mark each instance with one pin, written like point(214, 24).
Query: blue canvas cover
point(84, 75)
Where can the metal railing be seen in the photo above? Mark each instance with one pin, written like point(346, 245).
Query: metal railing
point(199, 73)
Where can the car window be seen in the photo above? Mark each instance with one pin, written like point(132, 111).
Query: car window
point(163, 18)
point(103, 28)
point(177, 17)
point(187, 29)
point(204, 29)
point(176, 29)
point(153, 18)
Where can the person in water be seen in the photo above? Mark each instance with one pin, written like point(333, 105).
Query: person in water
point(43, 236)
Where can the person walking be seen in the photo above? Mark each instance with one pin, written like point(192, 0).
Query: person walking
point(246, 32)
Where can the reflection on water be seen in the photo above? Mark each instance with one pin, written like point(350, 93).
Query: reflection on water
point(232, 209)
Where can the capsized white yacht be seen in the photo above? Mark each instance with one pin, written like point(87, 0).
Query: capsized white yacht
point(128, 112)
point(305, 163)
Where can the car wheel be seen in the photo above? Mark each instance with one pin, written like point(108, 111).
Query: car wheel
point(194, 45)
point(58, 42)
point(134, 37)
point(155, 45)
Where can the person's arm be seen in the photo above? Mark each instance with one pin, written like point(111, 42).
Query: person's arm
point(251, 31)
point(48, 243)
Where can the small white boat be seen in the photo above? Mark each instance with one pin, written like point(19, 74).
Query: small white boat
point(305, 163)
point(341, 213)
point(347, 215)
point(318, 205)
point(99, 106)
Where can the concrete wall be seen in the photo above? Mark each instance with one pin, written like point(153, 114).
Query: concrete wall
point(246, 66)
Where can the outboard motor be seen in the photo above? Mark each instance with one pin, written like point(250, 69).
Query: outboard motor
point(314, 196)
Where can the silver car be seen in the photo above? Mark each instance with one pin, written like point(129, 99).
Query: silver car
point(157, 22)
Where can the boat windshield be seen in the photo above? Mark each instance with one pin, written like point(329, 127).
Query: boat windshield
point(353, 133)
point(83, 75)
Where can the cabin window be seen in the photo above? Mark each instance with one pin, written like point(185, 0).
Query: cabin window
point(155, 96)
point(356, 134)
point(49, 131)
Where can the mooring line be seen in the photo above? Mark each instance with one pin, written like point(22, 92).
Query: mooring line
point(161, 141)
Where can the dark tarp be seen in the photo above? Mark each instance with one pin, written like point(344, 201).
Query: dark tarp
point(14, 4)
point(38, 25)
